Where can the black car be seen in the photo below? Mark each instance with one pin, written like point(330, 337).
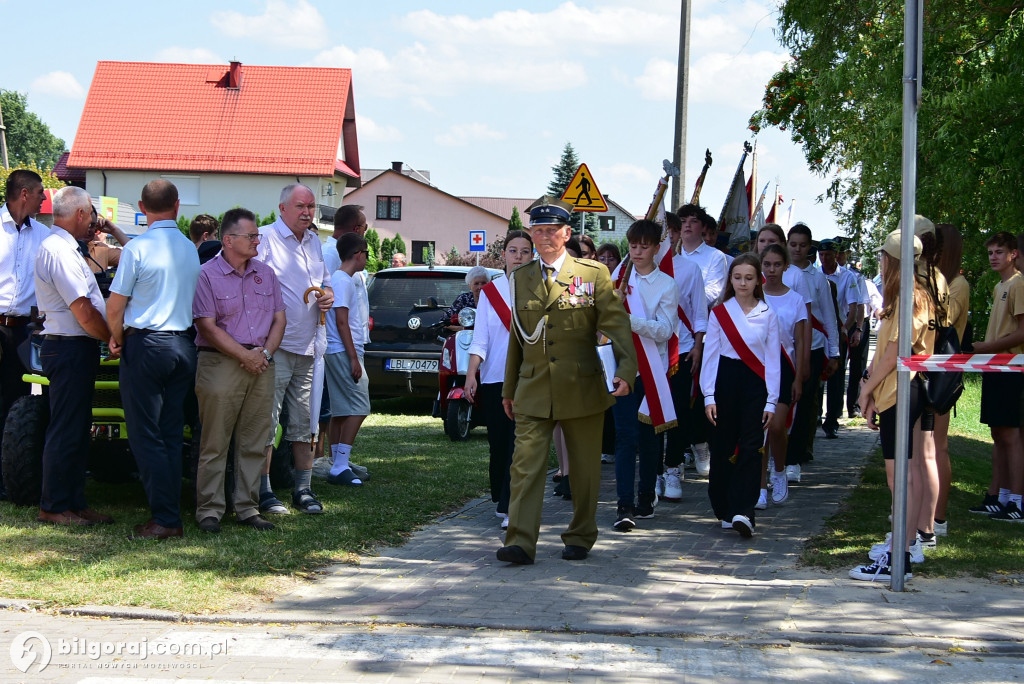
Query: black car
point(406, 310)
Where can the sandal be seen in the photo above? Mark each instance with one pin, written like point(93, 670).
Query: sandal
point(306, 502)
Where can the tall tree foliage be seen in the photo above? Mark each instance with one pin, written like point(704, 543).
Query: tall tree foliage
point(563, 172)
point(841, 98)
point(29, 140)
point(515, 222)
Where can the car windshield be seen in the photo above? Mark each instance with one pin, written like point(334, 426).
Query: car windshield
point(404, 294)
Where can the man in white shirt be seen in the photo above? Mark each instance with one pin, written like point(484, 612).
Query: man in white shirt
point(858, 354)
point(292, 249)
point(70, 298)
point(824, 349)
point(19, 242)
point(848, 299)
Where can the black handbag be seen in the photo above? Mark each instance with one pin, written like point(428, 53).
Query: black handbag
point(943, 388)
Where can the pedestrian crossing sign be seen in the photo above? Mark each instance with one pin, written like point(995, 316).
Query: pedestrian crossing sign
point(582, 192)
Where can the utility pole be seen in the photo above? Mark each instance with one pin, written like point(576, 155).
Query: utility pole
point(682, 88)
point(3, 138)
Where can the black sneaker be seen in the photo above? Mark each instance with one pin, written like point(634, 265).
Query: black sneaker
point(645, 506)
point(1010, 513)
point(624, 519)
point(880, 570)
point(988, 506)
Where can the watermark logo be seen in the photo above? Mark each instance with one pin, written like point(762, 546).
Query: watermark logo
point(27, 647)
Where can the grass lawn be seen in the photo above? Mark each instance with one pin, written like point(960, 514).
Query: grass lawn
point(416, 472)
point(975, 545)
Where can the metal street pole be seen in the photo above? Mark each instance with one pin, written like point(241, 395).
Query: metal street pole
point(682, 88)
point(3, 138)
point(912, 23)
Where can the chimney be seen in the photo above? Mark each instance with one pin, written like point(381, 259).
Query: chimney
point(396, 166)
point(235, 75)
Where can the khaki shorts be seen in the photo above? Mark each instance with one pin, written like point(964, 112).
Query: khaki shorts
point(293, 382)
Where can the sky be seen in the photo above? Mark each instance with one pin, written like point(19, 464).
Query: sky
point(484, 95)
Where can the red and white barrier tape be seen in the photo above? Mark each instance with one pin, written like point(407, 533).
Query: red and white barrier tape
point(966, 363)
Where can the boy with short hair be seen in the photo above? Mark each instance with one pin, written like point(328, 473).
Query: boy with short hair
point(347, 382)
point(652, 300)
point(1005, 334)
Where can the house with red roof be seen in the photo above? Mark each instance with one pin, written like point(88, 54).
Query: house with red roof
point(225, 135)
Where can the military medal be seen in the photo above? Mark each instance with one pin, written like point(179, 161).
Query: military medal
point(572, 300)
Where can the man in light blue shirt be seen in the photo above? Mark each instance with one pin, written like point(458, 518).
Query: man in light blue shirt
point(149, 312)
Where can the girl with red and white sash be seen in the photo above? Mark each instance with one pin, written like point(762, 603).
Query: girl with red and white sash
point(740, 383)
point(791, 311)
point(487, 354)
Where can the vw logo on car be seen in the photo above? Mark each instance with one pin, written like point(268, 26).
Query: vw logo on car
point(414, 323)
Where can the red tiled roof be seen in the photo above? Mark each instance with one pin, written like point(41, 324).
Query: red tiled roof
point(183, 117)
point(502, 206)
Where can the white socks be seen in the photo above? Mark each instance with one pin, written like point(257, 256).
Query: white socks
point(340, 454)
point(1004, 496)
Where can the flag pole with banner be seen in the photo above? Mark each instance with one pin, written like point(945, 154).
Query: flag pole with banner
point(734, 220)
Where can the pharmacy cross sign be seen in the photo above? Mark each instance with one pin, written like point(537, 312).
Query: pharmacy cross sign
point(477, 240)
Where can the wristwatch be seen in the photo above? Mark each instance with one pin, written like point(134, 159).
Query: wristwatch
point(268, 355)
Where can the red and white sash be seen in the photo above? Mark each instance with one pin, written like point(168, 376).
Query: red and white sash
point(499, 304)
point(657, 408)
point(727, 315)
point(673, 342)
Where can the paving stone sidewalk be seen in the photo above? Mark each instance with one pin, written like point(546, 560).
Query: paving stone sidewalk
point(676, 574)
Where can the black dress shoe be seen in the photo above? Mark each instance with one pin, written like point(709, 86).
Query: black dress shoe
point(209, 524)
point(831, 432)
point(514, 554)
point(574, 553)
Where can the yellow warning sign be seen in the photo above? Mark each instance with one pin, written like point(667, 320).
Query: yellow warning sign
point(582, 192)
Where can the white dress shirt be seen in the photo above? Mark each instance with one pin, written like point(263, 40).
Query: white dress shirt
point(790, 310)
point(298, 266)
point(713, 268)
point(692, 300)
point(490, 338)
point(816, 287)
point(660, 297)
point(18, 248)
point(760, 330)
point(62, 277)
point(847, 293)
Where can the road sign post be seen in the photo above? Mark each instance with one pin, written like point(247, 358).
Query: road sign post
point(477, 243)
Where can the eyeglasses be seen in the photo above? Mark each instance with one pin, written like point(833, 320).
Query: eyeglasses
point(364, 251)
point(252, 237)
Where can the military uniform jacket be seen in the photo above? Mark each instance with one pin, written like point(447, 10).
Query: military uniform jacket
point(558, 375)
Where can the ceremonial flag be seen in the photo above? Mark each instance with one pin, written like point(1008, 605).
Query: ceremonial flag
point(735, 217)
point(773, 213)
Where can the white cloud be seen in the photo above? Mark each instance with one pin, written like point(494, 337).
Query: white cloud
point(422, 104)
point(284, 24)
point(658, 82)
point(58, 84)
point(370, 130)
point(184, 55)
point(734, 80)
point(420, 70)
point(464, 134)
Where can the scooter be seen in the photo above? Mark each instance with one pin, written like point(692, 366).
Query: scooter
point(458, 413)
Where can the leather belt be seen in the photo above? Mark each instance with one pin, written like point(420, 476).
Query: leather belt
point(146, 331)
point(15, 321)
point(59, 338)
point(214, 349)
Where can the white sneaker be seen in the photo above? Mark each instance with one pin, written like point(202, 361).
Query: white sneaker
point(793, 473)
point(659, 485)
point(780, 488)
point(702, 456)
point(673, 485)
point(941, 529)
point(504, 523)
point(916, 552)
point(882, 549)
point(607, 458)
point(742, 524)
point(762, 500)
point(726, 525)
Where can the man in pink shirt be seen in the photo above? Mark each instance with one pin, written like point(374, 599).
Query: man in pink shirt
point(240, 319)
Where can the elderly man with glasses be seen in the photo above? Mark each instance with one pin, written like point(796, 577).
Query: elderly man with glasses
point(240, 319)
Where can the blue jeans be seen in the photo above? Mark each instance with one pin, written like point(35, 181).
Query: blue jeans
point(157, 370)
point(70, 363)
point(629, 434)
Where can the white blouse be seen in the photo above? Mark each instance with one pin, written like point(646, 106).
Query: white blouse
point(760, 330)
point(790, 309)
point(490, 338)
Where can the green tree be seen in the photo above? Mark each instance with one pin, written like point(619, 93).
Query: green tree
point(387, 250)
point(29, 140)
point(398, 246)
point(840, 96)
point(373, 259)
point(515, 223)
point(49, 180)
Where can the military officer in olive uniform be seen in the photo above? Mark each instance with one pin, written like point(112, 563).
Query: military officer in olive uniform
point(553, 374)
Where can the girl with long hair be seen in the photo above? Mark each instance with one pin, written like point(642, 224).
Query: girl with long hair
point(740, 383)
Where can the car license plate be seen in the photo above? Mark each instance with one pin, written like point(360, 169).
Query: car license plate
point(412, 365)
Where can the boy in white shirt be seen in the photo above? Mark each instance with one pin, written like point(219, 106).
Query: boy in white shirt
point(347, 333)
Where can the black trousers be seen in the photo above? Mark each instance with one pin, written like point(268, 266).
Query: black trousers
point(157, 370)
point(858, 362)
point(501, 438)
point(836, 387)
point(683, 435)
point(734, 483)
point(805, 418)
point(12, 387)
point(71, 364)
